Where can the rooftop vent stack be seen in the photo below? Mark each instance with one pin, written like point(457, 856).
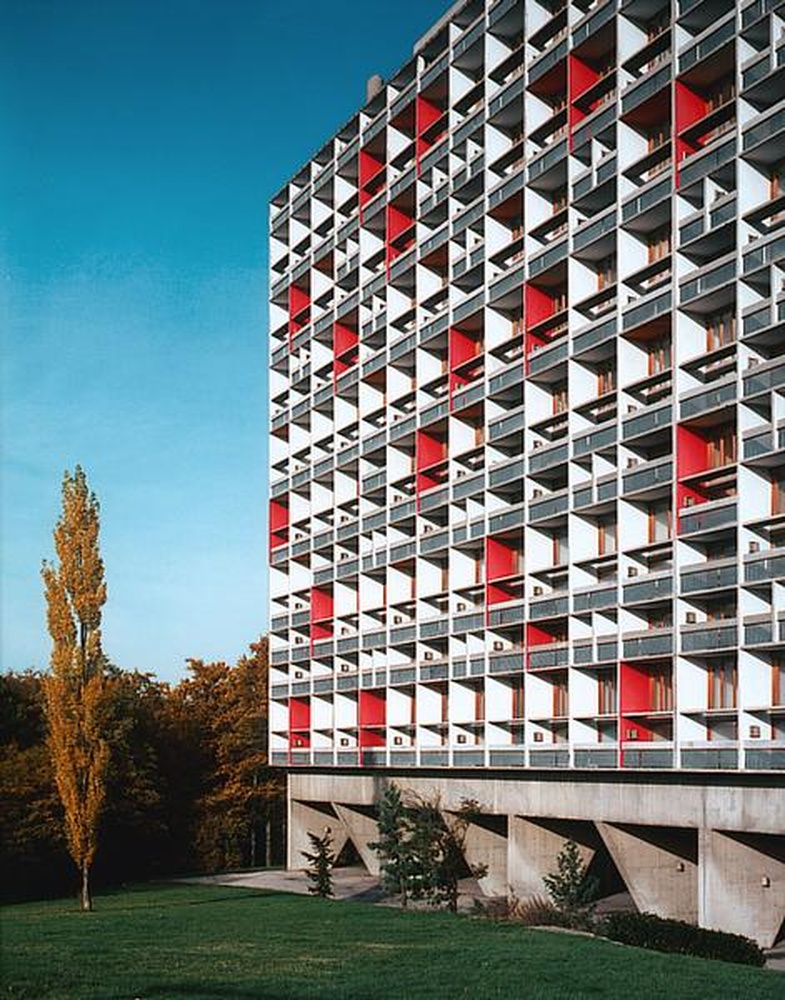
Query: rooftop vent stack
point(373, 87)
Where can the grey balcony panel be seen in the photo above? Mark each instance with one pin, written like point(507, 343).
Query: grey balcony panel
point(541, 657)
point(768, 759)
point(711, 578)
point(582, 652)
point(594, 229)
point(346, 305)
point(756, 72)
point(548, 458)
point(459, 668)
point(759, 633)
point(549, 608)
point(373, 521)
point(701, 638)
point(604, 597)
point(699, 519)
point(607, 650)
point(508, 472)
point(434, 328)
point(645, 87)
point(301, 478)
point(323, 685)
point(710, 759)
point(279, 691)
point(505, 379)
point(348, 645)
point(403, 100)
point(402, 347)
point(597, 334)
point(646, 199)
point(372, 640)
point(594, 124)
point(764, 379)
point(468, 623)
point(506, 663)
point(323, 575)
point(507, 616)
point(700, 165)
point(468, 487)
point(299, 653)
point(435, 758)
point(405, 550)
point(708, 399)
point(401, 511)
point(470, 215)
point(506, 284)
point(435, 628)
point(770, 126)
point(592, 23)
point(646, 311)
point(433, 242)
point(765, 567)
point(469, 306)
point(513, 518)
point(301, 409)
point(374, 442)
point(507, 758)
point(434, 671)
point(596, 758)
point(545, 259)
point(507, 189)
point(432, 543)
point(347, 758)
point(403, 427)
point(505, 96)
point(407, 178)
point(549, 158)
point(549, 758)
point(468, 758)
point(762, 255)
point(301, 618)
point(647, 476)
point(299, 758)
point(323, 395)
point(279, 758)
point(347, 455)
point(301, 688)
point(649, 645)
point(406, 675)
point(346, 569)
point(279, 656)
point(758, 319)
point(651, 419)
point(434, 498)
point(547, 357)
point(477, 665)
point(498, 11)
point(547, 60)
point(595, 441)
point(755, 11)
point(300, 547)
point(471, 394)
point(403, 758)
point(372, 482)
point(506, 425)
point(659, 588)
point(435, 70)
point(647, 757)
point(549, 507)
point(279, 555)
point(468, 128)
point(279, 622)
point(279, 488)
point(323, 539)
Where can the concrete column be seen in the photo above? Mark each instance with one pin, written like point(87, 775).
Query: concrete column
point(741, 878)
point(313, 817)
point(659, 866)
point(532, 849)
point(362, 830)
point(487, 846)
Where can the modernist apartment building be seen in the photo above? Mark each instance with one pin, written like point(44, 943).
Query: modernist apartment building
point(527, 380)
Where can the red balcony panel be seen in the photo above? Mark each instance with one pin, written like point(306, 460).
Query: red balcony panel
point(425, 115)
point(321, 604)
point(501, 560)
point(344, 338)
point(372, 708)
point(299, 303)
point(299, 722)
point(322, 630)
point(429, 451)
point(634, 696)
point(279, 524)
point(689, 107)
point(536, 636)
point(462, 348)
point(692, 457)
point(538, 305)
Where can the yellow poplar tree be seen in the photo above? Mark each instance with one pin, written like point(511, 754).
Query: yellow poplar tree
point(77, 688)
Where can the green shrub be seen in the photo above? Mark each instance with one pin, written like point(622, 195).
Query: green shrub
point(649, 931)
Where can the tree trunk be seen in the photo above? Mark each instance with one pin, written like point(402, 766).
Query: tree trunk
point(85, 899)
point(253, 844)
point(268, 847)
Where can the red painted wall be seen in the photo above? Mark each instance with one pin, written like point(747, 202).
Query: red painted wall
point(321, 605)
point(299, 722)
point(500, 559)
point(462, 348)
point(634, 696)
point(279, 524)
point(537, 305)
point(428, 450)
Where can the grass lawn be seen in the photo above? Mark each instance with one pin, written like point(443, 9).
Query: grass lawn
point(177, 942)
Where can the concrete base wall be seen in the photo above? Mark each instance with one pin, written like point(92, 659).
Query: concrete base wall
point(706, 848)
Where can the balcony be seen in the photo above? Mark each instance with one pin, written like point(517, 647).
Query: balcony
point(708, 577)
point(764, 566)
point(764, 378)
point(648, 477)
point(645, 87)
point(546, 459)
point(711, 288)
point(650, 420)
point(697, 403)
point(653, 642)
point(650, 589)
point(708, 637)
point(711, 516)
point(762, 139)
point(765, 447)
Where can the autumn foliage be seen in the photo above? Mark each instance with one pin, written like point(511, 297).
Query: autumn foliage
point(76, 692)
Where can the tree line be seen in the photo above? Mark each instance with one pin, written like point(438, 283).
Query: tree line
point(127, 776)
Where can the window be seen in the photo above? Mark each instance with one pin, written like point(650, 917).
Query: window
point(661, 693)
point(658, 137)
point(723, 92)
point(606, 273)
point(722, 684)
point(778, 681)
point(720, 330)
point(606, 537)
point(660, 522)
point(479, 704)
point(516, 691)
point(606, 694)
point(722, 448)
point(606, 380)
point(560, 398)
point(659, 245)
point(778, 495)
point(659, 355)
point(559, 200)
point(560, 551)
point(561, 697)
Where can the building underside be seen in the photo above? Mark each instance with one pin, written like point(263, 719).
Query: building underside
point(692, 848)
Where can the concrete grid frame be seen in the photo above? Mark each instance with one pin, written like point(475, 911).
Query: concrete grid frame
point(527, 462)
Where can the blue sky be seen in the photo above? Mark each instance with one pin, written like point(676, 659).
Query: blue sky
point(141, 141)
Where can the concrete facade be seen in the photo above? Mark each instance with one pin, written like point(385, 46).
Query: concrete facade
point(697, 850)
